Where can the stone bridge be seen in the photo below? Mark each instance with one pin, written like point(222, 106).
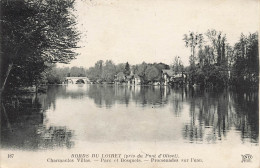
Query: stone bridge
point(77, 80)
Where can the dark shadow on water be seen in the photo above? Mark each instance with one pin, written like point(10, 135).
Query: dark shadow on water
point(22, 124)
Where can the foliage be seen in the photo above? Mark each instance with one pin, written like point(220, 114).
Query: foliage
point(160, 66)
point(33, 34)
point(120, 67)
point(77, 71)
point(177, 65)
point(120, 77)
point(152, 73)
point(219, 64)
point(127, 69)
point(218, 42)
point(95, 73)
point(57, 75)
point(193, 40)
point(109, 71)
point(141, 69)
point(246, 61)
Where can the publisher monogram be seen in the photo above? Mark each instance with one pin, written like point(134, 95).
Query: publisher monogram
point(246, 158)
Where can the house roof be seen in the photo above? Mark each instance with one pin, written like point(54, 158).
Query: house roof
point(169, 72)
point(129, 76)
point(136, 76)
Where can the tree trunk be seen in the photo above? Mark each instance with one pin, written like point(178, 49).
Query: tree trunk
point(7, 75)
point(6, 116)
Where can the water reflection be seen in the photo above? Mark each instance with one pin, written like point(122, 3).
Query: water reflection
point(109, 95)
point(66, 115)
point(23, 127)
point(213, 115)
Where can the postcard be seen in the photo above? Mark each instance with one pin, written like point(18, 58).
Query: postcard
point(129, 83)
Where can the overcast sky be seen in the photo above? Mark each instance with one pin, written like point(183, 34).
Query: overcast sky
point(152, 30)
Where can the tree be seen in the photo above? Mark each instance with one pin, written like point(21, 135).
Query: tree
point(152, 73)
point(34, 33)
point(91, 74)
point(127, 69)
point(160, 66)
point(120, 67)
point(120, 77)
point(53, 75)
point(141, 69)
point(134, 69)
point(95, 73)
point(246, 61)
point(177, 65)
point(218, 41)
point(193, 40)
point(109, 71)
point(229, 55)
point(77, 71)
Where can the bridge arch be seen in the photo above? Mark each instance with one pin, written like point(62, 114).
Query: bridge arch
point(80, 81)
point(77, 80)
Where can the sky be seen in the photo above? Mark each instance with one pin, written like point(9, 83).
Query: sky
point(152, 30)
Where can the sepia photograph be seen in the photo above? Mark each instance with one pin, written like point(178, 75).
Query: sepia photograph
point(129, 83)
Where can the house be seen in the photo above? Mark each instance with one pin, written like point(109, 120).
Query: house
point(119, 78)
point(132, 79)
point(129, 79)
point(137, 80)
point(169, 76)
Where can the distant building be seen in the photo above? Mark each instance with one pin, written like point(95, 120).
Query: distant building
point(129, 79)
point(132, 79)
point(169, 76)
point(120, 77)
point(137, 79)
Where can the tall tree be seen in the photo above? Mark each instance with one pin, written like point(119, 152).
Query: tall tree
point(218, 42)
point(193, 40)
point(127, 69)
point(99, 69)
point(34, 33)
point(246, 60)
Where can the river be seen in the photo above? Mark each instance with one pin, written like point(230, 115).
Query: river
point(68, 117)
